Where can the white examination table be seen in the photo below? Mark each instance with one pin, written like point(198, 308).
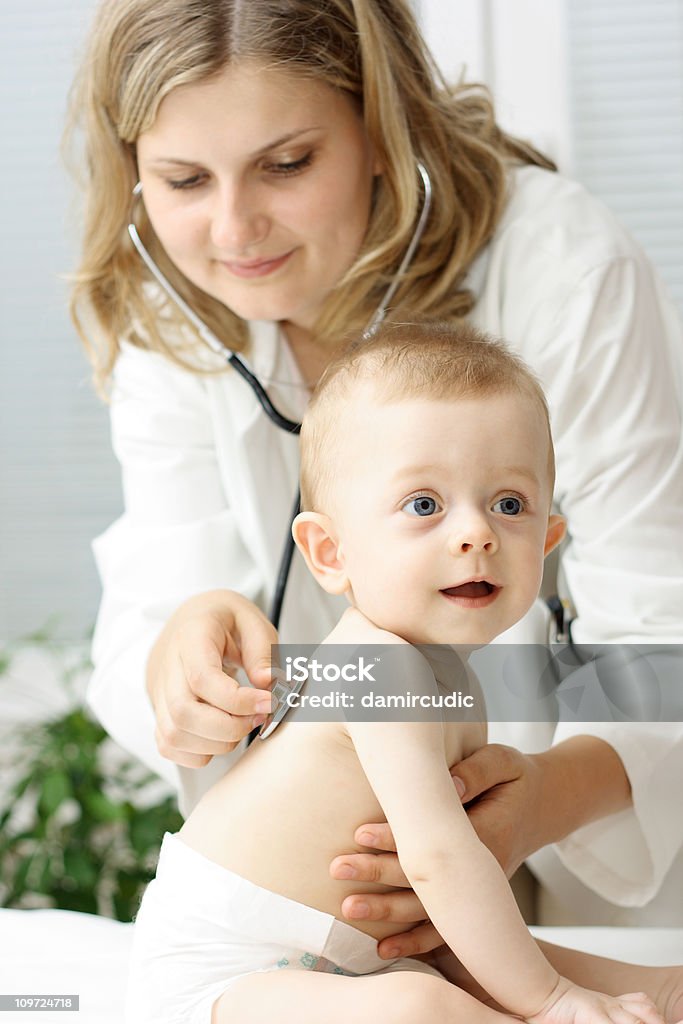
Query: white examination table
point(58, 952)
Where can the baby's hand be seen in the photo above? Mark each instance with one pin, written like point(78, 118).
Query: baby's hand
point(570, 1004)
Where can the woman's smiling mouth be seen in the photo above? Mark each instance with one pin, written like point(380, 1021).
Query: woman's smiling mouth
point(255, 268)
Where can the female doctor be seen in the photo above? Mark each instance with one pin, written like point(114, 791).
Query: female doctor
point(276, 146)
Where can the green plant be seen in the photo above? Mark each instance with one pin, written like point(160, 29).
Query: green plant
point(80, 821)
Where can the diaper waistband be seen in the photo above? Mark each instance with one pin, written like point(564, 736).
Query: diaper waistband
point(220, 895)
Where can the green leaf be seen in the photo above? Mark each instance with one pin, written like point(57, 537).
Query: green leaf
point(56, 788)
point(81, 901)
point(102, 808)
point(79, 867)
point(144, 834)
point(113, 839)
point(128, 893)
point(21, 787)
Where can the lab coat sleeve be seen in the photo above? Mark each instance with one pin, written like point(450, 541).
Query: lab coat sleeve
point(611, 366)
point(177, 537)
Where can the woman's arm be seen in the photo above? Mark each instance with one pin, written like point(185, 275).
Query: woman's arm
point(178, 537)
point(608, 347)
point(560, 783)
point(503, 783)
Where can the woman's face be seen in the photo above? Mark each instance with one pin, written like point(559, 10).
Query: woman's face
point(258, 184)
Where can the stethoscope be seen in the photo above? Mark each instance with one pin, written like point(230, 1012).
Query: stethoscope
point(561, 613)
point(290, 426)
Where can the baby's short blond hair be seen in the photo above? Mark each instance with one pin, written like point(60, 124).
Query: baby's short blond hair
point(425, 359)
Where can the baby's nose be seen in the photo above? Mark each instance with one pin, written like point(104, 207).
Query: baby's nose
point(473, 535)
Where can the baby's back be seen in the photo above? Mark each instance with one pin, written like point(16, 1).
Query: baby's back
point(291, 804)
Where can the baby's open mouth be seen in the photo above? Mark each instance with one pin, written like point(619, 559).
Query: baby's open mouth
point(475, 588)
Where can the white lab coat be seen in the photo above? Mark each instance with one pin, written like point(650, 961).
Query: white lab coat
point(209, 481)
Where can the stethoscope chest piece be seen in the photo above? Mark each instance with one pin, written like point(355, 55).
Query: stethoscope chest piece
point(282, 692)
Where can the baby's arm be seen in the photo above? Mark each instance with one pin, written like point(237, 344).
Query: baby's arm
point(461, 884)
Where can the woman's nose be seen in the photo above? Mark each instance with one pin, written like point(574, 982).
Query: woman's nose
point(473, 533)
point(237, 221)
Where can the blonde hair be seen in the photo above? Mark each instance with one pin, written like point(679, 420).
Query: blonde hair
point(140, 50)
point(436, 360)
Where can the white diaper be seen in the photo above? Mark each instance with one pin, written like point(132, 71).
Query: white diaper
point(201, 927)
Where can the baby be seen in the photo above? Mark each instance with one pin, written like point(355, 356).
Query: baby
point(427, 479)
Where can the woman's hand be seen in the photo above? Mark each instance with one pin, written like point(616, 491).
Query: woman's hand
point(200, 709)
point(506, 782)
point(501, 786)
point(517, 803)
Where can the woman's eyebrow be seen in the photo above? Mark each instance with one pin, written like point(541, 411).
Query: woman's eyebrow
point(280, 141)
point(286, 138)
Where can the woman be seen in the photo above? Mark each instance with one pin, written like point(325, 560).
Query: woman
point(276, 145)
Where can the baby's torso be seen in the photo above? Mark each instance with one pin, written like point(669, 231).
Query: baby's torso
point(292, 803)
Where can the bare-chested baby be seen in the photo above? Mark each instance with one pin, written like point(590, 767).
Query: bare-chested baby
point(427, 480)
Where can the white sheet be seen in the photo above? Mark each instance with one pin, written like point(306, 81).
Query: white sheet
point(58, 952)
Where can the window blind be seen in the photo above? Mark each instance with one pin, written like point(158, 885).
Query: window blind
point(626, 113)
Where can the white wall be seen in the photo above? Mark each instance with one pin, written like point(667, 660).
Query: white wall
point(58, 481)
point(518, 48)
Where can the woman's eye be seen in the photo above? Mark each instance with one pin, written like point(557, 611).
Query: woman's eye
point(186, 183)
point(287, 167)
point(423, 505)
point(509, 506)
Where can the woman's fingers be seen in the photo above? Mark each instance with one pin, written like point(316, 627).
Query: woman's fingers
point(192, 728)
point(211, 727)
point(255, 637)
point(377, 835)
point(201, 709)
point(488, 766)
point(194, 751)
point(370, 867)
point(201, 652)
point(502, 790)
point(179, 756)
point(402, 907)
point(422, 939)
point(218, 690)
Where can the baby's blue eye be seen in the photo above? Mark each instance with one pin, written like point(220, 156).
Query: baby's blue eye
point(509, 506)
point(421, 506)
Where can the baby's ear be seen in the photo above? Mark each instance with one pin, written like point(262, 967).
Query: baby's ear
point(557, 527)
point(317, 541)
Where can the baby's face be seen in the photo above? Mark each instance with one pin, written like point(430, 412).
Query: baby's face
point(442, 513)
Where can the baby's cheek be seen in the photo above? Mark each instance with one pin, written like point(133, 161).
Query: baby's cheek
point(534, 563)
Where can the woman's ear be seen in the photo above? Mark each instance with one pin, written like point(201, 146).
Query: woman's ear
point(317, 541)
point(557, 528)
